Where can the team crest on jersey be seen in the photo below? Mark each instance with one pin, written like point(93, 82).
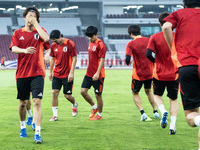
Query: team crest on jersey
point(36, 36)
point(94, 48)
point(64, 49)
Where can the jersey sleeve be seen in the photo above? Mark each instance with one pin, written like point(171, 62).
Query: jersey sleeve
point(46, 45)
point(15, 40)
point(151, 44)
point(44, 31)
point(73, 49)
point(128, 49)
point(52, 51)
point(172, 18)
point(103, 49)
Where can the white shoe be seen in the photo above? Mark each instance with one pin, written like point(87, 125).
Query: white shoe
point(143, 117)
point(54, 118)
point(75, 109)
point(156, 115)
point(172, 129)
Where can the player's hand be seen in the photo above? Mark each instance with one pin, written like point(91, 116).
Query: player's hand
point(30, 50)
point(70, 77)
point(46, 59)
point(50, 77)
point(32, 20)
point(95, 77)
point(130, 63)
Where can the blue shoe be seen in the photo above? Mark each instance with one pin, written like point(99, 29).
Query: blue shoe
point(29, 120)
point(23, 133)
point(163, 121)
point(143, 117)
point(33, 126)
point(156, 115)
point(37, 139)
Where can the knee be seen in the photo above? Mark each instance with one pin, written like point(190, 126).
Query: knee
point(67, 96)
point(22, 104)
point(147, 91)
point(36, 102)
point(83, 93)
point(190, 120)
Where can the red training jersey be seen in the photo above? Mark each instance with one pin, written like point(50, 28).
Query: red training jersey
point(142, 66)
point(29, 65)
point(63, 54)
point(187, 35)
point(164, 68)
point(96, 51)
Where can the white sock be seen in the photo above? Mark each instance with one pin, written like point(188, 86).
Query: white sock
point(197, 121)
point(162, 109)
point(94, 106)
point(99, 114)
point(173, 120)
point(23, 124)
point(55, 111)
point(74, 105)
point(37, 130)
point(29, 113)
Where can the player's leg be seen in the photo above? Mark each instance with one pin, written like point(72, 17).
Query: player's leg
point(87, 83)
point(30, 115)
point(67, 90)
point(37, 86)
point(172, 92)
point(136, 86)
point(23, 88)
point(56, 86)
point(98, 89)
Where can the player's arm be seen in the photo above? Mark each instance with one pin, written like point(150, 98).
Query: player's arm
point(52, 62)
point(96, 75)
point(41, 32)
point(168, 33)
point(128, 60)
point(71, 73)
point(46, 57)
point(150, 55)
point(29, 50)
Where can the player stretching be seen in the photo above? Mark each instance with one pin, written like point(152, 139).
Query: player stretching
point(186, 40)
point(164, 76)
point(63, 53)
point(142, 69)
point(27, 43)
point(95, 74)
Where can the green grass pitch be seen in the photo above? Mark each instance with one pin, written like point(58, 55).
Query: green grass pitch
point(120, 128)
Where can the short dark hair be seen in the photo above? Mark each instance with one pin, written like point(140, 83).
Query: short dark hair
point(90, 31)
point(32, 9)
point(162, 16)
point(134, 29)
point(191, 3)
point(55, 34)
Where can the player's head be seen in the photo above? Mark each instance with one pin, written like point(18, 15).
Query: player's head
point(34, 10)
point(134, 29)
point(162, 16)
point(91, 33)
point(56, 36)
point(191, 3)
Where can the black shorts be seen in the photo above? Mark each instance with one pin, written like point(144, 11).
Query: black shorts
point(67, 86)
point(172, 88)
point(30, 84)
point(137, 85)
point(3, 64)
point(98, 85)
point(189, 87)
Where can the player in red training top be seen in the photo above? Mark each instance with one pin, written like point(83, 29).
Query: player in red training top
point(186, 40)
point(3, 63)
point(28, 43)
point(142, 69)
point(63, 53)
point(95, 74)
point(165, 75)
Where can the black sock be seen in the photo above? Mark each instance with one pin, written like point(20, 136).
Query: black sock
point(142, 111)
point(155, 111)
